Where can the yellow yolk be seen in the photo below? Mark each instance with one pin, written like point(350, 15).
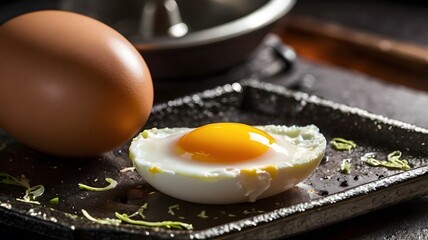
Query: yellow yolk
point(225, 142)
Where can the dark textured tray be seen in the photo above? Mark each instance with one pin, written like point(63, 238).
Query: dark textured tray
point(326, 197)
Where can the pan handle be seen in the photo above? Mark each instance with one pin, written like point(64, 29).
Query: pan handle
point(285, 52)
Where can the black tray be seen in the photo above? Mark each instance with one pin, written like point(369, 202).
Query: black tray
point(326, 197)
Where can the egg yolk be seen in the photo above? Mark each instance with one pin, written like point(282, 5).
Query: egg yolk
point(225, 142)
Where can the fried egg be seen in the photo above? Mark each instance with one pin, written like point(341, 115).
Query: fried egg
point(224, 163)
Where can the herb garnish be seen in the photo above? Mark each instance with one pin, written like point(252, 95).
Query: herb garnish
point(127, 218)
point(172, 207)
point(110, 221)
point(341, 144)
point(31, 193)
point(54, 200)
point(203, 214)
point(140, 211)
point(112, 184)
point(127, 169)
point(393, 161)
point(168, 224)
point(345, 167)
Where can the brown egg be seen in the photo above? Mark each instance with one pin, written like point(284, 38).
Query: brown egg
point(70, 85)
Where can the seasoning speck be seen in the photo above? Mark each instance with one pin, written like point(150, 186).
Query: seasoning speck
point(323, 193)
point(344, 184)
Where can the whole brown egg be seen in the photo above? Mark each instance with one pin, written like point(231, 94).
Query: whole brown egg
point(70, 85)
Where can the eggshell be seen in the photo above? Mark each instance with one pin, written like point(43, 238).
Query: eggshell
point(70, 85)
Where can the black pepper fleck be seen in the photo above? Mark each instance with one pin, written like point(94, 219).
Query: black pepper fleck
point(344, 184)
point(323, 193)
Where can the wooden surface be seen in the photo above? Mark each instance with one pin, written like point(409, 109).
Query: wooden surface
point(386, 59)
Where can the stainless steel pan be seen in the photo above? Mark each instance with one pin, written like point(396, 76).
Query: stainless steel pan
point(188, 38)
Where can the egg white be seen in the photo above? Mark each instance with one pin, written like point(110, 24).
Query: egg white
point(296, 154)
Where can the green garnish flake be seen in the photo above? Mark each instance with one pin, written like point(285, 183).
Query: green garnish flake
point(72, 216)
point(167, 224)
point(127, 218)
point(34, 192)
point(112, 184)
point(140, 212)
point(54, 200)
point(341, 144)
point(345, 167)
point(202, 214)
point(393, 161)
point(9, 179)
point(31, 193)
point(172, 207)
point(145, 134)
point(109, 221)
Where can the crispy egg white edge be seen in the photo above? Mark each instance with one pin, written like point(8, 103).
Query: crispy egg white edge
point(234, 187)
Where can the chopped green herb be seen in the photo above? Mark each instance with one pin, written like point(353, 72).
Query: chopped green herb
point(28, 201)
point(34, 192)
point(72, 216)
point(373, 162)
point(341, 144)
point(167, 224)
point(202, 214)
point(394, 156)
point(140, 211)
point(54, 200)
point(345, 167)
point(110, 221)
point(172, 207)
point(112, 184)
point(127, 169)
point(31, 193)
point(9, 179)
point(393, 161)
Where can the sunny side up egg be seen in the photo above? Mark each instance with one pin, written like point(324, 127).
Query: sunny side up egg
point(223, 163)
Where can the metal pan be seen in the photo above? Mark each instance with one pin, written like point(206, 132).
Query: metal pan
point(189, 38)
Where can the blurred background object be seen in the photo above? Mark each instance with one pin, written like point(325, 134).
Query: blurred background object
point(382, 38)
point(181, 38)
